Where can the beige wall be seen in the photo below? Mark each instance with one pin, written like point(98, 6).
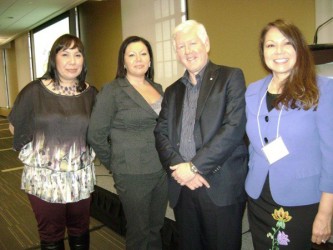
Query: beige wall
point(324, 11)
point(3, 89)
point(234, 26)
point(23, 58)
point(17, 68)
point(12, 73)
point(100, 29)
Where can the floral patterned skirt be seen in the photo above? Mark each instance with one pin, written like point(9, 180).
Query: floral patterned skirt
point(275, 227)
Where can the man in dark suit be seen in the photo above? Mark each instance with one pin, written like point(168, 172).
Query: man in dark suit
point(199, 138)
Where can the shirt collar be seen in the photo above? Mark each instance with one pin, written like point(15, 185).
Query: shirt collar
point(186, 77)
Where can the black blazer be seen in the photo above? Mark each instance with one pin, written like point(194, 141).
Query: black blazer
point(124, 116)
point(221, 154)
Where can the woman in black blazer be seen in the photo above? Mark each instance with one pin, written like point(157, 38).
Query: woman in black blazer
point(126, 111)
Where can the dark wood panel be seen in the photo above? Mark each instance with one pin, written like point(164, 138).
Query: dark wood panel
point(322, 53)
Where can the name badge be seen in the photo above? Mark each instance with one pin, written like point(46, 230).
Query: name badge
point(275, 150)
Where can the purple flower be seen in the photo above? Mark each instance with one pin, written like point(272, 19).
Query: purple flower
point(282, 238)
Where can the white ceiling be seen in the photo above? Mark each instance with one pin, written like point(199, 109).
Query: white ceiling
point(19, 16)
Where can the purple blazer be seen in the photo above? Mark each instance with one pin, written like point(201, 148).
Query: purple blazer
point(300, 177)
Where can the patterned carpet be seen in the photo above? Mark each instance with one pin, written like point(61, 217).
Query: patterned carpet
point(18, 229)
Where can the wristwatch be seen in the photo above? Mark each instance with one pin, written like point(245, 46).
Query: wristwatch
point(193, 168)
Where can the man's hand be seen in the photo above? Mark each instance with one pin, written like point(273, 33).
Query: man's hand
point(183, 174)
point(196, 182)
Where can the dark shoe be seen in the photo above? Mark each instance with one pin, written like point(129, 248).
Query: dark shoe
point(80, 242)
point(58, 245)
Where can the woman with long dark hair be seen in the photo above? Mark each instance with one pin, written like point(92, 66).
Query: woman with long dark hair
point(126, 112)
point(290, 128)
point(49, 121)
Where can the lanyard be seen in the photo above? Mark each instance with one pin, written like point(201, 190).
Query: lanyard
point(279, 119)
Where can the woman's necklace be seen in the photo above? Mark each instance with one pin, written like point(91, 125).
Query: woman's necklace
point(64, 90)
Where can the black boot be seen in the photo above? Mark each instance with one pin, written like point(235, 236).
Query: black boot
point(58, 245)
point(80, 242)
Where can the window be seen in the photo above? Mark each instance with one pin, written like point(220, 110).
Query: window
point(43, 41)
point(43, 37)
point(155, 20)
point(168, 14)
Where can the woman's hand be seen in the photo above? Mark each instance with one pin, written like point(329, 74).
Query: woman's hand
point(321, 229)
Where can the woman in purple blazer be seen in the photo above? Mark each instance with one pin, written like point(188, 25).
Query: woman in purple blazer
point(290, 128)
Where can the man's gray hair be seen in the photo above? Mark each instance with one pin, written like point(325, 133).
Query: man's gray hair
point(190, 25)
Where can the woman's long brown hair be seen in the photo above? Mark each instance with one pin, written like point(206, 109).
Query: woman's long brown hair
point(300, 90)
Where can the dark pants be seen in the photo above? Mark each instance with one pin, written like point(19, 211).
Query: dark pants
point(144, 200)
point(204, 226)
point(53, 218)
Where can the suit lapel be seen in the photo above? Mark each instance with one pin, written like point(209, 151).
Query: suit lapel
point(207, 84)
point(179, 108)
point(136, 97)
